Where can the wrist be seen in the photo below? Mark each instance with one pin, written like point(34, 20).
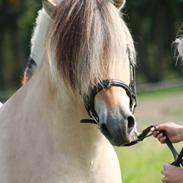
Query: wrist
point(181, 133)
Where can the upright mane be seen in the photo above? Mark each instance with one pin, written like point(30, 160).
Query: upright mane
point(88, 37)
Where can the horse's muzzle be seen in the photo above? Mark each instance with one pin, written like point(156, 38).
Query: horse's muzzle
point(118, 130)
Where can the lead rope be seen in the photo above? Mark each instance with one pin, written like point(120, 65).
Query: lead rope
point(147, 133)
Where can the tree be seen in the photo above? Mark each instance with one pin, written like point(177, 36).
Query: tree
point(154, 25)
point(16, 20)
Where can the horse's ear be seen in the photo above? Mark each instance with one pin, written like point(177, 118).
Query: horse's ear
point(50, 8)
point(119, 3)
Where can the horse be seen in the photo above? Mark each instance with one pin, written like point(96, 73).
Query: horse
point(85, 60)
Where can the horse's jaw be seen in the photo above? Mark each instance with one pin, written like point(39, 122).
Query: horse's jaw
point(48, 143)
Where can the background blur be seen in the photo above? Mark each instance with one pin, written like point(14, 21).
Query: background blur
point(154, 25)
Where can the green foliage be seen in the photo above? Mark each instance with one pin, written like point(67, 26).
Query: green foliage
point(16, 19)
point(153, 23)
point(26, 22)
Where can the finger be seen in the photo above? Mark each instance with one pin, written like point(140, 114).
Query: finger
point(162, 139)
point(155, 133)
point(152, 129)
point(164, 179)
point(163, 172)
point(156, 127)
point(162, 127)
point(160, 135)
point(167, 165)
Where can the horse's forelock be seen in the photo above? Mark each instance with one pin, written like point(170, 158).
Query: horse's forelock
point(89, 37)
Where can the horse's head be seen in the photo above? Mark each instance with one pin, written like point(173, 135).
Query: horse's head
point(95, 56)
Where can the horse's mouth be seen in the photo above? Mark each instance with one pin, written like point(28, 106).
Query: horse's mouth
point(119, 139)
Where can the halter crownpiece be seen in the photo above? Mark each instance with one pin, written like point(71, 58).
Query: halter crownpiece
point(50, 8)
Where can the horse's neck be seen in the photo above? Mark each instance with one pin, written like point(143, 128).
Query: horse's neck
point(43, 140)
point(39, 36)
point(62, 114)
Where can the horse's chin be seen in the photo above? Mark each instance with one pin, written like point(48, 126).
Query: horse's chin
point(133, 135)
point(122, 141)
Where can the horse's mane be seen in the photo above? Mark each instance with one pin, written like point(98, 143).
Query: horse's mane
point(89, 38)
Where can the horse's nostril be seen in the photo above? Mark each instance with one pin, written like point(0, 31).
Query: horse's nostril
point(131, 123)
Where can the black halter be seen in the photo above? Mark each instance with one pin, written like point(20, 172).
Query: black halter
point(89, 100)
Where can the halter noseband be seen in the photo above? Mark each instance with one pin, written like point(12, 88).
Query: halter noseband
point(89, 100)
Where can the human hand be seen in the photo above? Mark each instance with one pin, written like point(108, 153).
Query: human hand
point(172, 174)
point(172, 130)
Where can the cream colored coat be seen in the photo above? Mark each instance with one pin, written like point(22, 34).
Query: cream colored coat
point(42, 141)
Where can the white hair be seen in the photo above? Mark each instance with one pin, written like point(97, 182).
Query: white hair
point(39, 36)
point(179, 45)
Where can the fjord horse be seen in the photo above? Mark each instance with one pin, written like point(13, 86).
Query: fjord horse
point(85, 58)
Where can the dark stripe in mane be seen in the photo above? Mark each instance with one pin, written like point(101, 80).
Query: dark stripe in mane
point(29, 70)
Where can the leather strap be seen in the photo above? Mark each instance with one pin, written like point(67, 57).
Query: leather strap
point(179, 162)
point(147, 133)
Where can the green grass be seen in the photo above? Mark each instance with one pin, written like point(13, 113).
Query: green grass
point(163, 93)
point(143, 163)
